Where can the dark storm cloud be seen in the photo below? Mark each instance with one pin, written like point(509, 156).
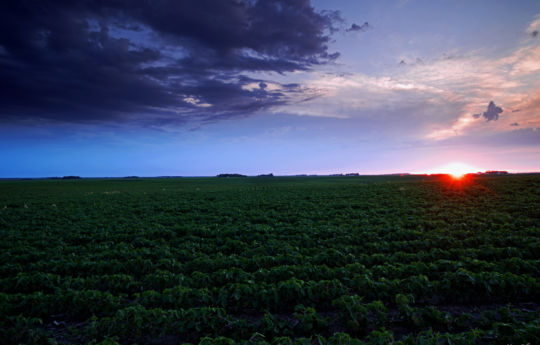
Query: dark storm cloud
point(164, 60)
point(361, 28)
point(492, 112)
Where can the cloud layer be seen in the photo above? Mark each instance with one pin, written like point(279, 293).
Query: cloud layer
point(434, 99)
point(157, 61)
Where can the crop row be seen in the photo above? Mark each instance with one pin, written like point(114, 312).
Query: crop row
point(199, 325)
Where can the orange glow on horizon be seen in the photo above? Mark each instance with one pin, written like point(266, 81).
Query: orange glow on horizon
point(456, 169)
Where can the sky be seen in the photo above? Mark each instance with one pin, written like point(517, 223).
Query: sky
point(198, 88)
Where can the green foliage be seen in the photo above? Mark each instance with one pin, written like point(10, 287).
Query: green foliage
point(348, 261)
point(309, 322)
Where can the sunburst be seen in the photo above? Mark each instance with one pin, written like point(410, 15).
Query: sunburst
point(456, 169)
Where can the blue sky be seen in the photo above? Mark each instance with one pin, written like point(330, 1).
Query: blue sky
point(408, 92)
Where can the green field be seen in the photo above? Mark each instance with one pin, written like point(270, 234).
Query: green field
point(285, 260)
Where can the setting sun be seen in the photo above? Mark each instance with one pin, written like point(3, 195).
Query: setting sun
point(456, 169)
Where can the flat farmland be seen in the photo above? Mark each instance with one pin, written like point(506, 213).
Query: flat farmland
point(271, 260)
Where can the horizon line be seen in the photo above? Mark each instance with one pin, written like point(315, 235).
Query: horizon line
point(239, 175)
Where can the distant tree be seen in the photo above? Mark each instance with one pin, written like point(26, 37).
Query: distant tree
point(231, 175)
point(266, 175)
point(496, 172)
point(71, 177)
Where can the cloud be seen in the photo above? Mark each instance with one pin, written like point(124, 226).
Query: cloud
point(434, 99)
point(154, 61)
point(523, 137)
point(438, 96)
point(534, 26)
point(492, 112)
point(360, 28)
